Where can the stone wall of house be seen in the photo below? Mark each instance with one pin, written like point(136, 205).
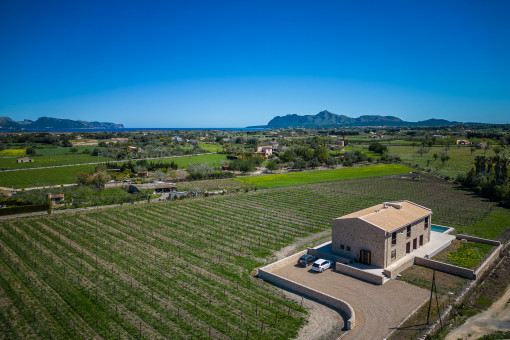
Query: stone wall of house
point(343, 307)
point(358, 235)
point(417, 229)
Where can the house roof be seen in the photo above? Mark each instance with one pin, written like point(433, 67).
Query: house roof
point(391, 216)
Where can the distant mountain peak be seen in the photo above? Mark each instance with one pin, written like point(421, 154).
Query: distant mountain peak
point(329, 119)
point(6, 123)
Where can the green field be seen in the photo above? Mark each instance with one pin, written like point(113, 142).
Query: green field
point(210, 147)
point(182, 162)
point(66, 175)
point(461, 159)
point(51, 157)
point(42, 177)
point(306, 177)
point(182, 269)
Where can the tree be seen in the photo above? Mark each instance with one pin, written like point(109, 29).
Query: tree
point(99, 179)
point(322, 154)
point(272, 166)
point(73, 150)
point(331, 161)
point(299, 164)
point(377, 148)
point(288, 156)
point(83, 178)
point(444, 158)
point(30, 152)
point(421, 151)
point(436, 156)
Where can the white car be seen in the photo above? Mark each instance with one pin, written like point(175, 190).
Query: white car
point(321, 265)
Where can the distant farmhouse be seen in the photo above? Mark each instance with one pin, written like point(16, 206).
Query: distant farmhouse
point(265, 151)
point(25, 160)
point(463, 142)
point(382, 234)
point(55, 199)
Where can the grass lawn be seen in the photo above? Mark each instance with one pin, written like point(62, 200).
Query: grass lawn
point(461, 159)
point(306, 177)
point(210, 147)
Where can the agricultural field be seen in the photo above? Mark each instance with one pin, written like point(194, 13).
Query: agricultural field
point(42, 177)
point(12, 153)
point(214, 184)
point(182, 269)
point(307, 177)
point(211, 159)
point(210, 147)
point(65, 175)
point(51, 157)
point(461, 159)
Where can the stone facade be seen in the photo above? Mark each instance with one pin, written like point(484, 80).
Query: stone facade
point(350, 236)
point(385, 244)
point(402, 239)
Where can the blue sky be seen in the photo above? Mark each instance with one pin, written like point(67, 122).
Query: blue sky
point(238, 63)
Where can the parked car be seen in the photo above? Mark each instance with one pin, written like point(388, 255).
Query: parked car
point(321, 265)
point(306, 260)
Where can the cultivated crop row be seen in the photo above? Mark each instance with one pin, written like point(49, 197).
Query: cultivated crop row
point(182, 269)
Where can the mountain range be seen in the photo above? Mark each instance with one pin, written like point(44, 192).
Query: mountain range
point(44, 123)
point(328, 119)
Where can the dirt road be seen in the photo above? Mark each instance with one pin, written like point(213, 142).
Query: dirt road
point(496, 318)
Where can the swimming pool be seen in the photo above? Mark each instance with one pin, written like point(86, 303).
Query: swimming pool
point(439, 229)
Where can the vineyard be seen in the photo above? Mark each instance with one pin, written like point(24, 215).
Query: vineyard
point(182, 269)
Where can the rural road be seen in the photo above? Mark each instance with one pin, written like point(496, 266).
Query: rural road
point(496, 318)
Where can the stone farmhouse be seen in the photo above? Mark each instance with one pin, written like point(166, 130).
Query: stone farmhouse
point(265, 151)
point(25, 160)
point(382, 234)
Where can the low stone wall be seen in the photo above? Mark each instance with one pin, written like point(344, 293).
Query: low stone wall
point(359, 274)
point(477, 239)
point(393, 272)
point(445, 268)
point(328, 300)
point(488, 262)
point(283, 262)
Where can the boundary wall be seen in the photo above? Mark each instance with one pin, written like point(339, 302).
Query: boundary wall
point(445, 268)
point(266, 274)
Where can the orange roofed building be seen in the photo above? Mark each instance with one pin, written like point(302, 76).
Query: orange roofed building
point(382, 234)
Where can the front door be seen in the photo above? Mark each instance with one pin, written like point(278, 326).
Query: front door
point(365, 257)
point(408, 247)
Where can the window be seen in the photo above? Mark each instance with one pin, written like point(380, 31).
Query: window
point(342, 246)
point(408, 231)
point(348, 248)
point(394, 238)
point(427, 222)
point(393, 254)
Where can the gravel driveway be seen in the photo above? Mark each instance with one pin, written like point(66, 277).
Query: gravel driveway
point(378, 308)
